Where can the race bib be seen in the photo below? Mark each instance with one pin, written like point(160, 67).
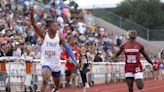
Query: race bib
point(131, 59)
point(49, 53)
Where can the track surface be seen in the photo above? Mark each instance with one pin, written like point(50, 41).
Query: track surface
point(150, 86)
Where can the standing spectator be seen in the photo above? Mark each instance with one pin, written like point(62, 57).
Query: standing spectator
point(84, 66)
point(118, 41)
point(90, 55)
point(156, 72)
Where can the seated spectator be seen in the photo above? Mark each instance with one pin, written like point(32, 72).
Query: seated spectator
point(16, 50)
point(2, 50)
point(81, 27)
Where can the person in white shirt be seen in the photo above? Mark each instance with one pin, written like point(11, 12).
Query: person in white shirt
point(17, 51)
point(81, 27)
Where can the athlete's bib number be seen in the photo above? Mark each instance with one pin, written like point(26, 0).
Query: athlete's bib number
point(50, 53)
point(131, 59)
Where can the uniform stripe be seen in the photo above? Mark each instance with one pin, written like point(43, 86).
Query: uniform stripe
point(131, 50)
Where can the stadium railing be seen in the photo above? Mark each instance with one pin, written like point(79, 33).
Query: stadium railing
point(103, 72)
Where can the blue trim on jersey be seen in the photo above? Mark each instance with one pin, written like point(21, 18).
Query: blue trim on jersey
point(56, 74)
point(46, 66)
point(71, 54)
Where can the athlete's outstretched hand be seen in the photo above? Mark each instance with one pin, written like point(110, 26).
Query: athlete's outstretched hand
point(31, 11)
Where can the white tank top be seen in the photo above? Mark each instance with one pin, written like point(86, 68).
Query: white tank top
point(51, 50)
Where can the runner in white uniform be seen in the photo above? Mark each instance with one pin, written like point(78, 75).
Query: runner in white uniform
point(51, 65)
point(51, 51)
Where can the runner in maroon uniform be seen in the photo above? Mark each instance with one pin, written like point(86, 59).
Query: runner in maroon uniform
point(71, 69)
point(133, 67)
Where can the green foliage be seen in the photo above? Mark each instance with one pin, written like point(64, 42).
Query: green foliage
point(145, 16)
point(148, 13)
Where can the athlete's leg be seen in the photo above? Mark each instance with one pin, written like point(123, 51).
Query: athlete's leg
point(129, 81)
point(46, 74)
point(68, 75)
point(56, 79)
point(140, 83)
point(155, 74)
point(139, 80)
point(73, 78)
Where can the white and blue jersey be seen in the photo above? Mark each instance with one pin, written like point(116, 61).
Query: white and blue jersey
point(50, 53)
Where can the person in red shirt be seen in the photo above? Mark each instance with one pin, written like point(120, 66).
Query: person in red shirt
point(71, 69)
point(133, 67)
point(156, 73)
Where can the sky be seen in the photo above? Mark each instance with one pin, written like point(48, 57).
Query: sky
point(99, 3)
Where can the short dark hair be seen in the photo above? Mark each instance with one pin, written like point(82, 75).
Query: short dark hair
point(49, 21)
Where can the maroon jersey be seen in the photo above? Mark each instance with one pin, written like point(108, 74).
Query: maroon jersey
point(65, 56)
point(132, 57)
point(157, 63)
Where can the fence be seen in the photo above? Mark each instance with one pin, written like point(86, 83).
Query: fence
point(103, 72)
point(153, 35)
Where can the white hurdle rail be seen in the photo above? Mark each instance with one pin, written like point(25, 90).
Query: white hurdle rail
point(102, 71)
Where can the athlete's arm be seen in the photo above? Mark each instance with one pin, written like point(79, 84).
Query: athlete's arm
point(69, 50)
point(117, 53)
point(145, 55)
point(40, 32)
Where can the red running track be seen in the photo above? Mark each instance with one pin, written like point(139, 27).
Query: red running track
point(150, 86)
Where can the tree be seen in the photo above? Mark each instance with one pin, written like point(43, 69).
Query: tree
point(148, 13)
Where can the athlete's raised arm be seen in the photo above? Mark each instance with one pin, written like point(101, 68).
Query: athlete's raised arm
point(40, 32)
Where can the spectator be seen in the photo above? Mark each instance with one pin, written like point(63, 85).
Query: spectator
point(84, 63)
point(61, 23)
point(17, 51)
point(162, 54)
point(98, 58)
point(156, 73)
point(2, 50)
point(118, 41)
point(9, 49)
point(81, 27)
